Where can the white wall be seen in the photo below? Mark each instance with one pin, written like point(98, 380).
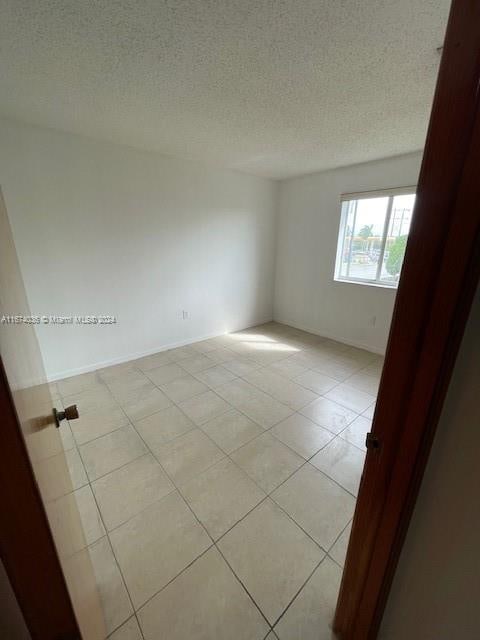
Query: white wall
point(306, 296)
point(106, 229)
point(436, 590)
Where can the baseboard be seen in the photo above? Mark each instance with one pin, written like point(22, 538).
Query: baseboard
point(330, 336)
point(141, 354)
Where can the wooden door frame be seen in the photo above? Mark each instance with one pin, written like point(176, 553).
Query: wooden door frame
point(26, 544)
point(438, 282)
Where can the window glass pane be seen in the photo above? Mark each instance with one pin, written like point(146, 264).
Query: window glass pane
point(362, 240)
point(397, 235)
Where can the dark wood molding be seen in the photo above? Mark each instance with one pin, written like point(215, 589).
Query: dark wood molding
point(26, 544)
point(440, 275)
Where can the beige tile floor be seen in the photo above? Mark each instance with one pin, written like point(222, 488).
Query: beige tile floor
point(217, 482)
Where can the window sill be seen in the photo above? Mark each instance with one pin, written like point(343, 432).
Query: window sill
point(378, 285)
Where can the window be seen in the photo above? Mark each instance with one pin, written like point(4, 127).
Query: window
point(373, 235)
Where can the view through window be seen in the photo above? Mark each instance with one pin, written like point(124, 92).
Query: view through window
point(373, 235)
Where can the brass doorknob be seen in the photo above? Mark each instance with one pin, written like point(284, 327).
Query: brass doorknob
point(70, 413)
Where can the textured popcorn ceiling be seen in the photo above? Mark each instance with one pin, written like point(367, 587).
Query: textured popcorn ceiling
point(271, 87)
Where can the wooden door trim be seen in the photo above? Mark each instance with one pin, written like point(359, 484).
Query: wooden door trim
point(26, 544)
point(431, 310)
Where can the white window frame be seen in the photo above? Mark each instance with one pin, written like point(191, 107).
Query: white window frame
point(379, 193)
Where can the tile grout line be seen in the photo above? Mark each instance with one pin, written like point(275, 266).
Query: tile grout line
point(226, 456)
point(112, 551)
point(244, 587)
point(214, 542)
point(107, 536)
point(233, 461)
point(261, 366)
point(335, 436)
point(268, 495)
point(117, 565)
point(297, 593)
point(212, 545)
point(310, 346)
point(335, 562)
point(339, 536)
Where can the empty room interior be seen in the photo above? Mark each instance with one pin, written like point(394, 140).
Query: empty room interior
point(209, 203)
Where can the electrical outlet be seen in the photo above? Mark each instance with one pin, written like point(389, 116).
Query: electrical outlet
point(185, 315)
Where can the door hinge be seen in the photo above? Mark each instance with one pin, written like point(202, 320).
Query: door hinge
point(371, 441)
